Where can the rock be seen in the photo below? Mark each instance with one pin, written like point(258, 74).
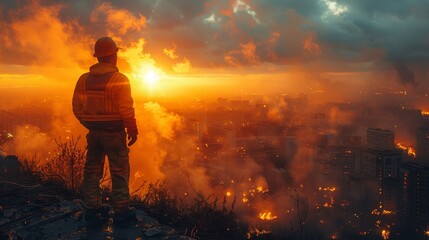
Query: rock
point(9, 165)
point(153, 232)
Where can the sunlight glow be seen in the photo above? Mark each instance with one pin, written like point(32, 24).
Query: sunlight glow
point(335, 8)
point(151, 77)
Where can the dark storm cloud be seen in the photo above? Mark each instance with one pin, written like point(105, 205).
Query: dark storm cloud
point(252, 32)
point(396, 27)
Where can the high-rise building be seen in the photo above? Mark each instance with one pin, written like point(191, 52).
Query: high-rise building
point(380, 140)
point(380, 164)
point(414, 193)
point(422, 147)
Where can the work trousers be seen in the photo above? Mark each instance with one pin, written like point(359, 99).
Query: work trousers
point(114, 145)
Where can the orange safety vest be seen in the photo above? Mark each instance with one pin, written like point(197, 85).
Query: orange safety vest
point(97, 105)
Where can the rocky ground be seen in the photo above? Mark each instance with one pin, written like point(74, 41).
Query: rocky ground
point(32, 209)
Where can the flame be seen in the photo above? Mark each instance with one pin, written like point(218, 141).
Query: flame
point(330, 189)
point(424, 113)
point(383, 212)
point(228, 194)
point(385, 234)
point(410, 150)
point(267, 216)
point(427, 233)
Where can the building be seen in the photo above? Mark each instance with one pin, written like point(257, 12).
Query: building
point(380, 140)
point(380, 165)
point(414, 191)
point(422, 147)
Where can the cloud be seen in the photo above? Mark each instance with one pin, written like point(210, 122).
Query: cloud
point(243, 56)
point(35, 35)
point(183, 67)
point(311, 45)
point(171, 53)
point(117, 20)
point(215, 33)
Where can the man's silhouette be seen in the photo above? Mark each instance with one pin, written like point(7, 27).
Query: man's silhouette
point(102, 103)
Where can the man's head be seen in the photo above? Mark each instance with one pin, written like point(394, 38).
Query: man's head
point(105, 50)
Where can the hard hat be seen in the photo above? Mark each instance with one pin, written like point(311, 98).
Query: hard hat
point(105, 46)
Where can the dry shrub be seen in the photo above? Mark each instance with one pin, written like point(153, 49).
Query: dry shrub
point(67, 164)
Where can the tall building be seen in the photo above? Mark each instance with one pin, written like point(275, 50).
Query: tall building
point(414, 193)
point(380, 165)
point(379, 139)
point(422, 148)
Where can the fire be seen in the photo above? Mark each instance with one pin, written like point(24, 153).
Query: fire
point(228, 194)
point(329, 204)
point(383, 212)
point(427, 233)
point(410, 150)
point(385, 234)
point(424, 113)
point(267, 216)
point(330, 189)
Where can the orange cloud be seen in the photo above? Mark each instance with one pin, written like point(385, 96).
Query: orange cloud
point(120, 20)
point(35, 35)
point(249, 52)
point(171, 53)
point(183, 67)
point(245, 55)
point(311, 45)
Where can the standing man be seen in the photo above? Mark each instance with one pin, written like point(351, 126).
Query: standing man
point(102, 103)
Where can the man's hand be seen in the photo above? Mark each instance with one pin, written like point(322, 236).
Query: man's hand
point(132, 136)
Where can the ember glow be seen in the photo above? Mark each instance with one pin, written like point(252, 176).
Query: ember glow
point(409, 150)
point(385, 234)
point(268, 216)
point(424, 113)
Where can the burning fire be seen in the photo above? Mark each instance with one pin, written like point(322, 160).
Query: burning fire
point(385, 234)
point(384, 212)
point(424, 113)
point(410, 150)
point(267, 216)
point(427, 233)
point(330, 189)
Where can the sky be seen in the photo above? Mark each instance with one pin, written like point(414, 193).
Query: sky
point(211, 40)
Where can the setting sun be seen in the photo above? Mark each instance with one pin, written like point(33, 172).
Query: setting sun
point(151, 78)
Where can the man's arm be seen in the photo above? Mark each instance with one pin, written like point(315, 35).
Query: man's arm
point(77, 101)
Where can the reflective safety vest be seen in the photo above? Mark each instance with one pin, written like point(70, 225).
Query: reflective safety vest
point(97, 104)
point(104, 98)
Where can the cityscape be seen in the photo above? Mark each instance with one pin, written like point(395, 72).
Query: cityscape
point(255, 119)
point(359, 170)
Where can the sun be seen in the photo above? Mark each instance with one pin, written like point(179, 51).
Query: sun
point(151, 78)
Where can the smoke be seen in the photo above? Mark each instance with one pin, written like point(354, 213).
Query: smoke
point(157, 130)
point(32, 144)
point(35, 35)
point(405, 74)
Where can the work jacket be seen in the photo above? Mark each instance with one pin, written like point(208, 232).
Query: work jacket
point(102, 99)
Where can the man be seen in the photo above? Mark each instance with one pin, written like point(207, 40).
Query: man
point(102, 103)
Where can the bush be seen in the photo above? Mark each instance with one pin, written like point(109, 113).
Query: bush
point(199, 216)
point(67, 164)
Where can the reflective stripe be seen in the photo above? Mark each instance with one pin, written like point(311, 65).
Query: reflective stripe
point(102, 100)
point(99, 118)
point(108, 94)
